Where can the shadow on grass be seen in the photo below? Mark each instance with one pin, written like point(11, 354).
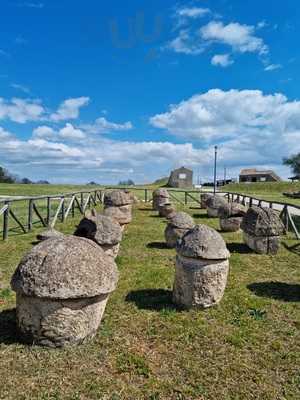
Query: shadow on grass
point(152, 299)
point(276, 290)
point(293, 249)
point(240, 248)
point(157, 245)
point(203, 216)
point(145, 209)
point(8, 327)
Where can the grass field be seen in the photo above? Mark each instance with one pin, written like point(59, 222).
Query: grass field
point(248, 347)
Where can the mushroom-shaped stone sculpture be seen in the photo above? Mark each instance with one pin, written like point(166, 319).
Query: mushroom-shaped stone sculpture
point(167, 211)
point(262, 228)
point(159, 198)
point(177, 227)
point(204, 197)
point(202, 267)
point(213, 204)
point(231, 216)
point(118, 205)
point(62, 287)
point(103, 230)
point(49, 234)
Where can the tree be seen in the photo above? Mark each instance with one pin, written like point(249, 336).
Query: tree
point(129, 182)
point(26, 181)
point(5, 176)
point(294, 163)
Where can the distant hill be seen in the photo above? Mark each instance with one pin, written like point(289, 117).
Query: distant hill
point(161, 182)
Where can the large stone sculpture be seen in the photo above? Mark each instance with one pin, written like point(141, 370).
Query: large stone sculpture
point(262, 228)
point(62, 287)
point(177, 227)
point(118, 205)
point(231, 216)
point(213, 205)
point(160, 197)
point(103, 230)
point(202, 267)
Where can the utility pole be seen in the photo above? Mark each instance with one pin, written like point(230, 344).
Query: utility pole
point(215, 170)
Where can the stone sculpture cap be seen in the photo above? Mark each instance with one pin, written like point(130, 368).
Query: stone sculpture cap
point(182, 220)
point(117, 198)
point(216, 202)
point(102, 229)
point(161, 193)
point(203, 242)
point(49, 234)
point(232, 209)
point(65, 268)
point(262, 221)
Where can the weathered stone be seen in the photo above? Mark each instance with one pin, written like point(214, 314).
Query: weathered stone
point(232, 209)
point(103, 230)
point(201, 268)
point(49, 234)
point(199, 283)
point(122, 214)
point(160, 197)
point(231, 224)
point(262, 244)
point(262, 229)
point(213, 204)
point(177, 227)
point(62, 287)
point(204, 198)
point(167, 210)
point(117, 198)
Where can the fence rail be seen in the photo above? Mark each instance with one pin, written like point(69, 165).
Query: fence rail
point(55, 207)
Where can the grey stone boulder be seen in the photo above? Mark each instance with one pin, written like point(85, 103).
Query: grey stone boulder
point(160, 197)
point(122, 214)
point(262, 229)
point(49, 234)
point(204, 197)
point(178, 225)
point(201, 269)
point(213, 204)
point(167, 210)
point(231, 216)
point(62, 286)
point(116, 198)
point(103, 230)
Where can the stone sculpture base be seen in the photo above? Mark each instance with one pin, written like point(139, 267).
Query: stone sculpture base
point(262, 244)
point(111, 250)
point(167, 211)
point(122, 214)
point(231, 224)
point(57, 323)
point(199, 283)
point(212, 212)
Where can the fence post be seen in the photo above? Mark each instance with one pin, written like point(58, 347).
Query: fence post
point(185, 198)
point(30, 212)
point(73, 208)
point(48, 210)
point(146, 195)
point(5, 221)
point(63, 210)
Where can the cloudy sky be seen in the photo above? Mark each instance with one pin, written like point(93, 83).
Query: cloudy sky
point(107, 91)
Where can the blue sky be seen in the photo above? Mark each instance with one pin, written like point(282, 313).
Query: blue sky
point(107, 91)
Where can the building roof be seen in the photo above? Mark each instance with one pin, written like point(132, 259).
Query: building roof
point(254, 171)
point(182, 168)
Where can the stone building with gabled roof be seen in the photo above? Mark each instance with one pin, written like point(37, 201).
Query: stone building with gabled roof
point(181, 178)
point(254, 175)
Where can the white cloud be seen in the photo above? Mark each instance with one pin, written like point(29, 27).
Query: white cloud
point(222, 60)
point(186, 43)
point(21, 110)
point(192, 12)
point(22, 88)
point(69, 132)
point(44, 132)
point(273, 67)
point(240, 37)
point(102, 125)
point(69, 109)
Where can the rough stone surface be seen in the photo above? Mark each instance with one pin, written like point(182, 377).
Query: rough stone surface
point(117, 198)
point(199, 283)
point(182, 220)
point(204, 198)
point(49, 234)
point(203, 242)
point(213, 204)
point(65, 268)
point(261, 221)
point(100, 228)
point(232, 209)
point(167, 211)
point(122, 214)
point(173, 235)
point(262, 244)
point(62, 287)
point(160, 197)
point(231, 224)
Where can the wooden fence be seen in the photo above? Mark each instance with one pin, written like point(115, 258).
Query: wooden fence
point(46, 209)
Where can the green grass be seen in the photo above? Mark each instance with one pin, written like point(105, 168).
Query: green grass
point(266, 190)
point(248, 347)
